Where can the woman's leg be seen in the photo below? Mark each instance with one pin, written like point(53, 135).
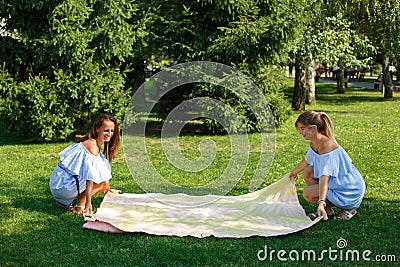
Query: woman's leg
point(308, 176)
point(311, 192)
point(97, 188)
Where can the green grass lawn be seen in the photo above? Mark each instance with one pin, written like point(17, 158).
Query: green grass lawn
point(35, 232)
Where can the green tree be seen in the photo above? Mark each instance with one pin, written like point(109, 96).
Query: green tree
point(340, 45)
point(69, 62)
point(384, 32)
point(332, 38)
point(66, 61)
point(380, 22)
point(251, 36)
point(304, 88)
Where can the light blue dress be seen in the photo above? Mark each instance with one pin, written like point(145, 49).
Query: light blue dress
point(346, 186)
point(77, 163)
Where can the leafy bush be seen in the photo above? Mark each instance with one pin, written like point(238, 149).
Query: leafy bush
point(270, 80)
point(270, 83)
point(66, 62)
point(56, 110)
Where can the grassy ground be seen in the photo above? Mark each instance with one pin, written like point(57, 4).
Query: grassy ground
point(34, 232)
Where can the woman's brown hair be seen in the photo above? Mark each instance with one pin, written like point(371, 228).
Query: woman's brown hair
point(320, 119)
point(111, 147)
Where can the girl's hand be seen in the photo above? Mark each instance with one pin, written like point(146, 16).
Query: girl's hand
point(87, 212)
point(322, 212)
point(293, 175)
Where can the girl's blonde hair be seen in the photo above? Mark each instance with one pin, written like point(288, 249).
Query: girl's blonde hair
point(320, 119)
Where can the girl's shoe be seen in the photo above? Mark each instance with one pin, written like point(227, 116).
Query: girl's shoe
point(330, 211)
point(78, 209)
point(66, 207)
point(345, 215)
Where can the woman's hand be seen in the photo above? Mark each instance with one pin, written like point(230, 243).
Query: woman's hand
point(322, 212)
point(292, 176)
point(299, 168)
point(87, 212)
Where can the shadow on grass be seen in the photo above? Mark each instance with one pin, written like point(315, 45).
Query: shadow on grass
point(7, 139)
point(154, 129)
point(46, 204)
point(10, 139)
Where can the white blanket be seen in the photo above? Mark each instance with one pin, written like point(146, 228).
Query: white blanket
point(271, 211)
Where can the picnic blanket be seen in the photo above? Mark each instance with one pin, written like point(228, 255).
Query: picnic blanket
point(271, 211)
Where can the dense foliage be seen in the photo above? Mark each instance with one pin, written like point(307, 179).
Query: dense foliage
point(252, 36)
point(65, 62)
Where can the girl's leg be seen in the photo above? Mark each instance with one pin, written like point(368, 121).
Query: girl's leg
point(97, 188)
point(311, 193)
point(308, 176)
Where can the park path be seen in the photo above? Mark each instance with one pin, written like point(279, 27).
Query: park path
point(366, 85)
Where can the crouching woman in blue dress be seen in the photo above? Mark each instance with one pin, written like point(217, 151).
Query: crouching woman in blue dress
point(330, 176)
point(84, 170)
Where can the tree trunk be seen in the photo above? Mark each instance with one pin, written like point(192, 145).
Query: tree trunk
point(341, 83)
point(310, 88)
point(299, 93)
point(398, 71)
point(387, 80)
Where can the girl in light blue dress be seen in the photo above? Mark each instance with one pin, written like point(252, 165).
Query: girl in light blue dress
point(330, 176)
point(84, 170)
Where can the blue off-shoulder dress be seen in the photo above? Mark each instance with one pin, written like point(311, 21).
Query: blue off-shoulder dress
point(76, 166)
point(346, 186)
